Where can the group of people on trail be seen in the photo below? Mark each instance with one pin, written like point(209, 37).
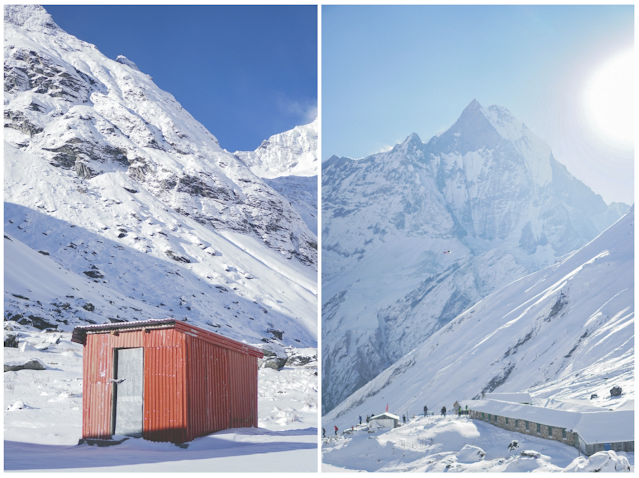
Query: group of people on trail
point(324, 431)
point(368, 417)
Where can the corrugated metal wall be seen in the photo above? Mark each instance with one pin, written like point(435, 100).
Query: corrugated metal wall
point(192, 387)
point(243, 386)
point(165, 411)
point(164, 384)
point(222, 388)
point(208, 388)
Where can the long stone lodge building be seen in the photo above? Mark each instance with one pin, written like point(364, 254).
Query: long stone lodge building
point(590, 432)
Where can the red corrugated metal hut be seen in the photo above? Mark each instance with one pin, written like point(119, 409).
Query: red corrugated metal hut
point(164, 380)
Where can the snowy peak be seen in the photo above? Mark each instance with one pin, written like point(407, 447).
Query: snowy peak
point(291, 153)
point(30, 18)
point(125, 61)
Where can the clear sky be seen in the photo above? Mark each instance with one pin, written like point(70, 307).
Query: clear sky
point(244, 72)
point(389, 71)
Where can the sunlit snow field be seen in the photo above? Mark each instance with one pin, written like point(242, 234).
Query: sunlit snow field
point(455, 444)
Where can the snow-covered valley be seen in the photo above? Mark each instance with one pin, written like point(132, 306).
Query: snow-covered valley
point(565, 334)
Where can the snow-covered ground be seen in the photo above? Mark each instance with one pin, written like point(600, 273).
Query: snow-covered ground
point(456, 444)
point(44, 433)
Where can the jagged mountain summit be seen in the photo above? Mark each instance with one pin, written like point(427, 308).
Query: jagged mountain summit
point(132, 204)
point(291, 153)
point(563, 333)
point(488, 190)
point(288, 163)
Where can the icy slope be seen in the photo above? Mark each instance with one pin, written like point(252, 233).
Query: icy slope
point(488, 190)
point(131, 197)
point(79, 111)
point(564, 332)
point(292, 153)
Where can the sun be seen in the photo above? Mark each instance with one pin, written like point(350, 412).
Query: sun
point(609, 99)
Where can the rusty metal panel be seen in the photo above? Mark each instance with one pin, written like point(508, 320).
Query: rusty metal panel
point(217, 339)
point(164, 392)
point(243, 390)
point(207, 372)
point(97, 389)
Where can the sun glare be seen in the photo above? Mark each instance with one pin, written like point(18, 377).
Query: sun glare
point(610, 99)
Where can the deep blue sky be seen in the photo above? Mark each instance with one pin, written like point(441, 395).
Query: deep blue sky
point(389, 71)
point(244, 72)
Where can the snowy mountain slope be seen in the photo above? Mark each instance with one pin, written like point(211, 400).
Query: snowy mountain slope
point(79, 111)
point(118, 184)
point(487, 184)
point(288, 163)
point(301, 191)
point(564, 332)
point(291, 153)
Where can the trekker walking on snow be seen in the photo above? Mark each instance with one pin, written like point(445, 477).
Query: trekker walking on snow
point(425, 411)
point(335, 429)
point(368, 419)
point(360, 419)
point(323, 432)
point(404, 417)
point(444, 410)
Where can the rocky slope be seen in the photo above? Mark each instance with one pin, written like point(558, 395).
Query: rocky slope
point(487, 190)
point(120, 206)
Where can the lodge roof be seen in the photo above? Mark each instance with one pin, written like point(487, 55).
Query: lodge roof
point(592, 427)
point(80, 333)
point(516, 397)
point(385, 415)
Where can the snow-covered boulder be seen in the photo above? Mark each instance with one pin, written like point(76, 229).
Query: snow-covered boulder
point(31, 364)
point(470, 454)
point(19, 405)
point(606, 461)
point(26, 347)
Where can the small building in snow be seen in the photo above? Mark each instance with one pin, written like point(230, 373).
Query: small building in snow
point(386, 420)
point(515, 397)
point(590, 431)
point(164, 380)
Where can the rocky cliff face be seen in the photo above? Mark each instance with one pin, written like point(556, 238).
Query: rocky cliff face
point(134, 204)
point(488, 190)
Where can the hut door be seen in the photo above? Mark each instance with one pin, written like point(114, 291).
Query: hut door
point(128, 389)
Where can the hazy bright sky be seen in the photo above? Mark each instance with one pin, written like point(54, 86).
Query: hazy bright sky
point(244, 72)
point(389, 71)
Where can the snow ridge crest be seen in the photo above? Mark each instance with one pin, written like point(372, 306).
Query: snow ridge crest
point(30, 17)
